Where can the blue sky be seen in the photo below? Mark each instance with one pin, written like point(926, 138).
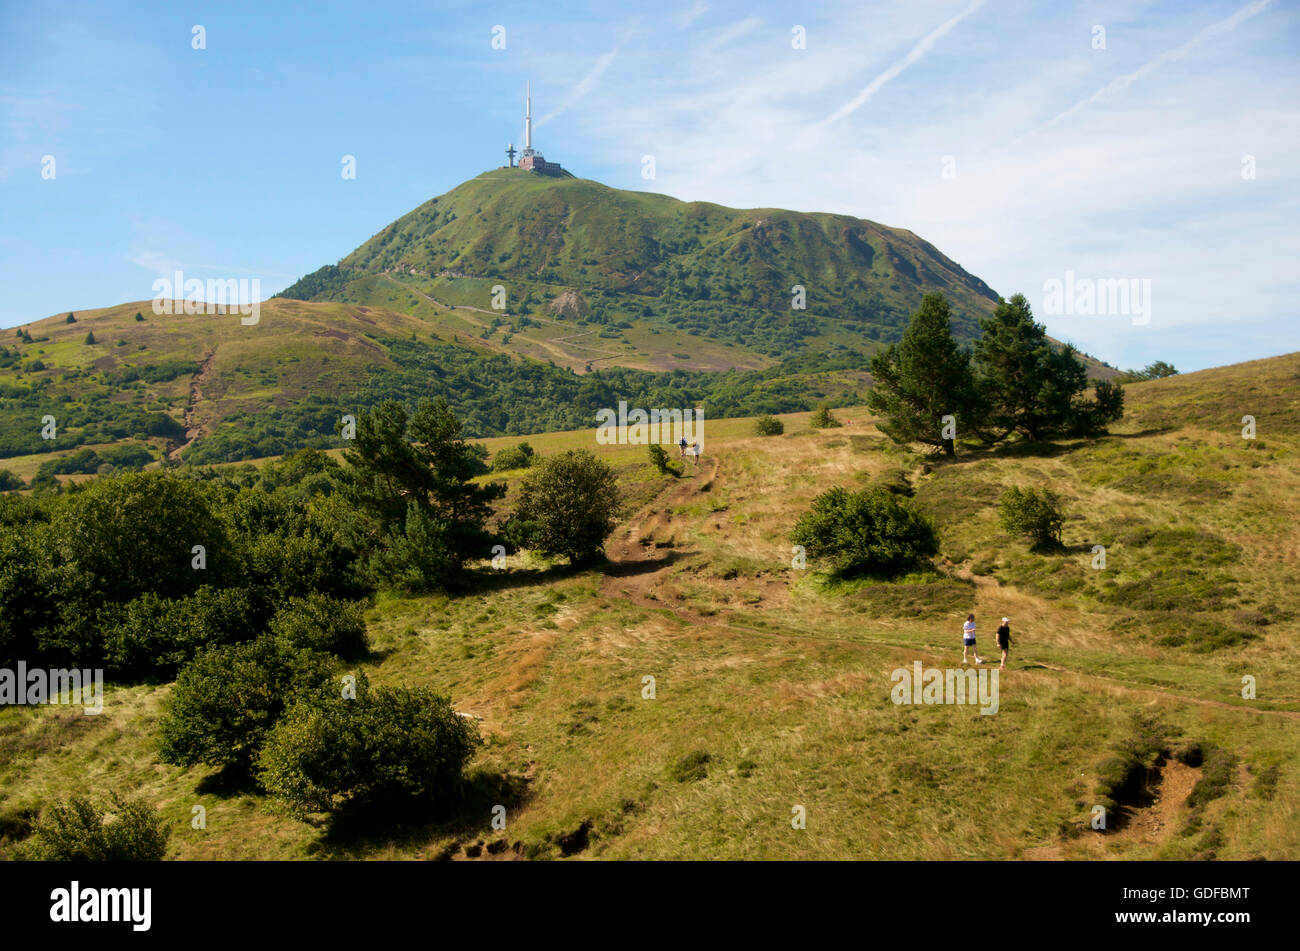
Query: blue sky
point(998, 131)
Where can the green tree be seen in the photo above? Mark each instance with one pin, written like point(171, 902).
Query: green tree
point(822, 419)
point(1029, 385)
point(422, 462)
point(873, 531)
point(78, 830)
point(226, 701)
point(768, 426)
point(568, 505)
point(1034, 514)
point(388, 744)
point(922, 379)
point(90, 336)
point(659, 459)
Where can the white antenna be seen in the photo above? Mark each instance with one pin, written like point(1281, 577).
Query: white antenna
point(528, 117)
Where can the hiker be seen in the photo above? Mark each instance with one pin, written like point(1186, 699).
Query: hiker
point(681, 448)
point(968, 639)
point(695, 451)
point(1004, 641)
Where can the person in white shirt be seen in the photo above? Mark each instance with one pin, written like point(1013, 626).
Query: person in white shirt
point(968, 639)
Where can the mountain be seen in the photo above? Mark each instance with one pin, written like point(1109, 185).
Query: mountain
point(529, 302)
point(689, 273)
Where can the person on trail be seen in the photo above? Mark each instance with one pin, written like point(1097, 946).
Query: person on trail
point(968, 639)
point(1004, 641)
point(681, 448)
point(695, 449)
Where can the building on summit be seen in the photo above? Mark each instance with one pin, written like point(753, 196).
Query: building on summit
point(531, 160)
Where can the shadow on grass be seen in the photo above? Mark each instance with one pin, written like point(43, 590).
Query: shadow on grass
point(630, 569)
point(228, 783)
point(360, 828)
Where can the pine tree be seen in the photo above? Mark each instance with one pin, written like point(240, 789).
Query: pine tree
point(1028, 384)
point(90, 336)
point(922, 379)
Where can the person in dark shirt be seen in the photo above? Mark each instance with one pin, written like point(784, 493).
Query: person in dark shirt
point(1004, 641)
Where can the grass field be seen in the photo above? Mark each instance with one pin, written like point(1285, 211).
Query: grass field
point(772, 685)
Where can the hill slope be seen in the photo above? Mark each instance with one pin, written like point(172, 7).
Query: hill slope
point(721, 274)
point(1124, 686)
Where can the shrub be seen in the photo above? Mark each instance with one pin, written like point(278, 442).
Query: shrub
point(153, 635)
point(1034, 514)
point(9, 481)
point(568, 506)
point(90, 337)
point(518, 457)
point(691, 768)
point(78, 830)
point(870, 532)
point(822, 419)
point(227, 700)
point(321, 623)
point(768, 426)
point(389, 744)
point(659, 459)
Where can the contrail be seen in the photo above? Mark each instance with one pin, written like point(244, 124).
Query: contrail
point(919, 50)
point(583, 87)
point(1123, 82)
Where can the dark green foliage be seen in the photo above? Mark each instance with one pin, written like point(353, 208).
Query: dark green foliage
point(78, 830)
point(153, 636)
point(322, 284)
point(691, 768)
point(1031, 387)
point(70, 319)
point(388, 745)
point(90, 461)
point(517, 457)
point(822, 419)
point(1152, 371)
point(9, 481)
point(90, 336)
point(412, 476)
point(227, 700)
point(874, 531)
point(321, 623)
point(568, 506)
point(768, 426)
point(659, 459)
point(1035, 514)
point(922, 379)
point(139, 317)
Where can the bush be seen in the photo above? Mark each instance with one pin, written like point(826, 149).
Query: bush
point(519, 457)
point(77, 830)
point(158, 636)
point(227, 700)
point(389, 744)
point(568, 506)
point(659, 459)
point(9, 481)
point(870, 532)
point(822, 419)
point(1033, 514)
point(321, 623)
point(768, 426)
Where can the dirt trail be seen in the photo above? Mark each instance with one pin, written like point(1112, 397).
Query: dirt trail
point(192, 429)
point(637, 574)
point(549, 345)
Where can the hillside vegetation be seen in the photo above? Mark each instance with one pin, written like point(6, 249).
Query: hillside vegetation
point(771, 683)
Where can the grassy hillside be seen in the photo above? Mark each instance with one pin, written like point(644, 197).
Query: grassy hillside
point(721, 274)
point(1124, 685)
point(207, 388)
